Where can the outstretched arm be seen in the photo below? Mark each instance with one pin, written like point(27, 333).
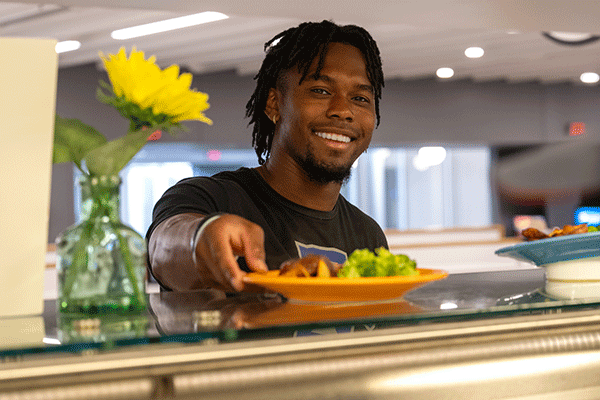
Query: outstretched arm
point(187, 256)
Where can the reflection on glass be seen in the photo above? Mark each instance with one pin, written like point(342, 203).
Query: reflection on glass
point(104, 328)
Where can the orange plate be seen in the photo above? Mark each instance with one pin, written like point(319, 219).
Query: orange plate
point(344, 289)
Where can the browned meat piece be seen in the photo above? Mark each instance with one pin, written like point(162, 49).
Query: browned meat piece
point(533, 234)
point(574, 229)
point(556, 232)
point(295, 269)
point(311, 265)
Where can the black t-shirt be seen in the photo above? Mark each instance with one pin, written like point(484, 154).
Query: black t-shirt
point(290, 230)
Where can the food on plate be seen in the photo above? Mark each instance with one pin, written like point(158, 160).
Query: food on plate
point(365, 263)
point(311, 265)
point(361, 263)
point(535, 234)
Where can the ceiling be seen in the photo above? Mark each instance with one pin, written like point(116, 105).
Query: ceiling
point(415, 36)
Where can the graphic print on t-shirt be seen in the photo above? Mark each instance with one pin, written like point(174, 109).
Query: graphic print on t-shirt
point(334, 255)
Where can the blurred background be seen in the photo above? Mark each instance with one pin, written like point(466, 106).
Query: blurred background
point(489, 111)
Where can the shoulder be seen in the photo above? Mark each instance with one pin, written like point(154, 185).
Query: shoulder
point(225, 179)
point(359, 221)
point(349, 210)
point(204, 195)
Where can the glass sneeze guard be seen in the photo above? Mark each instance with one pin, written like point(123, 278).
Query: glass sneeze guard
point(215, 345)
point(223, 317)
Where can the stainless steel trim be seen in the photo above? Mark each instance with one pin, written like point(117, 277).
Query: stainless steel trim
point(125, 390)
point(197, 367)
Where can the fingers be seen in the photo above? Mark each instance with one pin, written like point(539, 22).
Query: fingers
point(253, 248)
point(221, 242)
point(225, 267)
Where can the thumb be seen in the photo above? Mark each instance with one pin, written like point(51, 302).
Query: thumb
point(255, 260)
point(254, 253)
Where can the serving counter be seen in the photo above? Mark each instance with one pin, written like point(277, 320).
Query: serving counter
point(488, 335)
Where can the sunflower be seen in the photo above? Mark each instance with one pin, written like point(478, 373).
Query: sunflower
point(152, 99)
point(149, 96)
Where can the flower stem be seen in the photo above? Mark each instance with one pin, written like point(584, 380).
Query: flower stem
point(80, 254)
point(128, 267)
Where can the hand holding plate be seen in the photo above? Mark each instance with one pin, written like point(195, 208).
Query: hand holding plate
point(219, 244)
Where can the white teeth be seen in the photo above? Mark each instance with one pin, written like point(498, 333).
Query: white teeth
point(333, 136)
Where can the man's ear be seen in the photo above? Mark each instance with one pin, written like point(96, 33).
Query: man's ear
point(272, 106)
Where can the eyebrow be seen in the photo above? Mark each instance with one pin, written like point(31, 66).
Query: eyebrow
point(325, 78)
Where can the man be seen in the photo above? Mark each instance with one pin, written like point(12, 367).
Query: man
point(313, 113)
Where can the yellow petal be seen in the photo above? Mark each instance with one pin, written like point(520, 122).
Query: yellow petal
point(140, 81)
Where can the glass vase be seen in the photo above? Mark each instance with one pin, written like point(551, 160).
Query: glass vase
point(101, 264)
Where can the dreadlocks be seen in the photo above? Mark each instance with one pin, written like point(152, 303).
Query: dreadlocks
point(299, 47)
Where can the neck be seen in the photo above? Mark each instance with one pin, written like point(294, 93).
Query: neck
point(294, 185)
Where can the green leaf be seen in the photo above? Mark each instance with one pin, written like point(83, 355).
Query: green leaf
point(61, 153)
point(73, 140)
point(112, 157)
point(137, 116)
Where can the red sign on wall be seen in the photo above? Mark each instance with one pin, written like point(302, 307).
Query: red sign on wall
point(576, 128)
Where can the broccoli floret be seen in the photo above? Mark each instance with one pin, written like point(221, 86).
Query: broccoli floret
point(365, 263)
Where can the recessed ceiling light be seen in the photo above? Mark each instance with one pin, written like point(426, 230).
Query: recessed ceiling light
point(474, 52)
point(168, 25)
point(589, 77)
point(445, 72)
point(67, 45)
point(571, 38)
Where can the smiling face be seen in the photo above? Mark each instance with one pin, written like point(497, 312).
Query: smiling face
point(326, 121)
